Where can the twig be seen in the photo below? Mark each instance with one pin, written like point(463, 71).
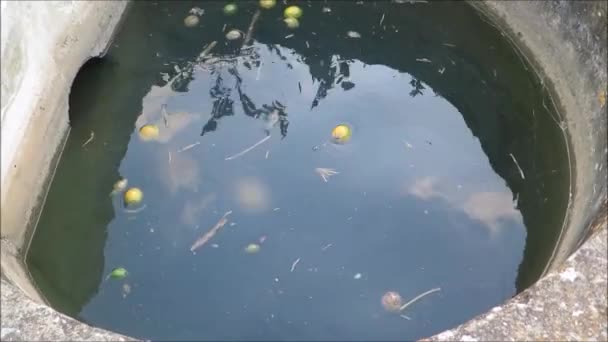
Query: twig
point(186, 148)
point(418, 297)
point(169, 157)
point(248, 149)
point(381, 19)
point(90, 139)
point(250, 29)
point(267, 153)
point(521, 172)
point(324, 248)
point(208, 49)
point(208, 235)
point(295, 263)
point(164, 114)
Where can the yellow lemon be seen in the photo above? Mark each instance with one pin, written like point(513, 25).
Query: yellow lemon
point(293, 12)
point(191, 21)
point(148, 132)
point(341, 133)
point(267, 4)
point(292, 23)
point(133, 196)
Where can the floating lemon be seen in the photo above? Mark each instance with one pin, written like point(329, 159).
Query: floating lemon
point(230, 9)
point(341, 133)
point(292, 23)
point(191, 21)
point(267, 4)
point(252, 248)
point(133, 196)
point(233, 35)
point(293, 12)
point(148, 132)
point(119, 273)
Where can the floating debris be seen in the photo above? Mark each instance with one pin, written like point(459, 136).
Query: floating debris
point(381, 19)
point(326, 10)
point(234, 35)
point(324, 248)
point(248, 149)
point(295, 263)
point(262, 239)
point(292, 23)
point(119, 186)
point(602, 98)
point(91, 137)
point(267, 4)
point(133, 196)
point(293, 12)
point(149, 132)
point(341, 133)
point(197, 11)
point(357, 276)
point(418, 297)
point(521, 172)
point(186, 148)
point(391, 301)
point(353, 34)
point(208, 235)
point(230, 9)
point(289, 36)
point(215, 245)
point(254, 19)
point(407, 144)
point(191, 21)
point(423, 60)
point(325, 173)
point(448, 45)
point(267, 154)
point(252, 248)
point(118, 273)
point(126, 290)
point(442, 70)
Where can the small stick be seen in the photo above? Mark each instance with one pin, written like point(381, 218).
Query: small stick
point(169, 157)
point(324, 248)
point(250, 29)
point(381, 19)
point(90, 139)
point(208, 49)
point(165, 115)
point(521, 172)
point(186, 148)
point(418, 297)
point(267, 153)
point(248, 149)
point(293, 266)
point(208, 235)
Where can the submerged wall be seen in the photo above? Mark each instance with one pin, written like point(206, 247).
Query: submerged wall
point(45, 43)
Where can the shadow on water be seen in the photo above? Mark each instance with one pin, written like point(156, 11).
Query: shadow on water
point(499, 99)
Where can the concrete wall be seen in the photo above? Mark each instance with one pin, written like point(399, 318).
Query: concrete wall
point(45, 43)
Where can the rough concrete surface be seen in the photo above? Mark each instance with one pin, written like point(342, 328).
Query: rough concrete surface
point(25, 320)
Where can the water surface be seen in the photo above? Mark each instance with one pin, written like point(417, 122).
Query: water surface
point(455, 176)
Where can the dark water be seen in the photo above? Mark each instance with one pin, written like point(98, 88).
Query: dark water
point(427, 193)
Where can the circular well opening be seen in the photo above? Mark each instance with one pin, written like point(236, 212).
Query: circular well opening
point(255, 223)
